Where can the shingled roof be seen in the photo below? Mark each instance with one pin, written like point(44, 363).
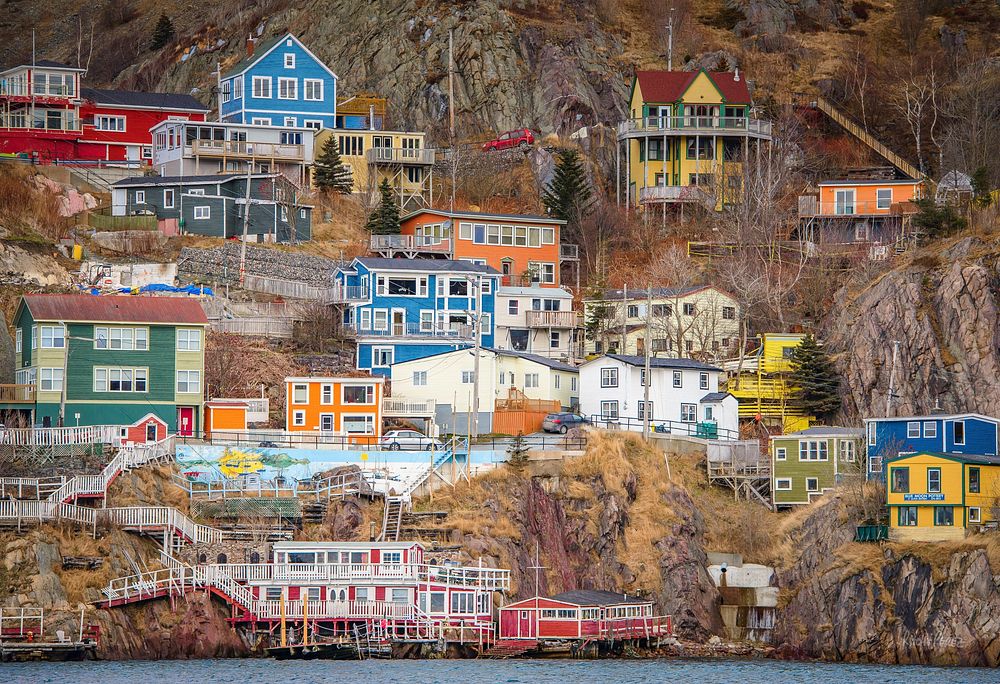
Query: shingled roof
point(669, 86)
point(115, 309)
point(131, 98)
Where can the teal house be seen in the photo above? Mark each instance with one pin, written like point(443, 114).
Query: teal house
point(88, 360)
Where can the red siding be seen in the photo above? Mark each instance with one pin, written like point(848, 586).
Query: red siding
point(294, 593)
point(375, 556)
point(380, 593)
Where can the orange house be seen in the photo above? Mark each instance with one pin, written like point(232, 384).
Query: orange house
point(866, 197)
point(225, 416)
point(524, 249)
point(350, 407)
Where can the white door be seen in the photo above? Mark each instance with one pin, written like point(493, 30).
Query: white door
point(132, 152)
point(844, 202)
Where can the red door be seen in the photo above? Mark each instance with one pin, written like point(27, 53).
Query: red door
point(185, 421)
point(525, 624)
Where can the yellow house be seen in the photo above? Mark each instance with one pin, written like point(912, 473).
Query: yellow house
point(937, 497)
point(685, 136)
point(761, 381)
point(399, 157)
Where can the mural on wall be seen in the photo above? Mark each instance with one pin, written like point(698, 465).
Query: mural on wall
point(235, 462)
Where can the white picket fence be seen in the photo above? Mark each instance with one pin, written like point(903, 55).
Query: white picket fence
point(62, 436)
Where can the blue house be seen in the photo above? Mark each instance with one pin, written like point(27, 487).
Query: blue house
point(406, 309)
point(279, 83)
point(958, 433)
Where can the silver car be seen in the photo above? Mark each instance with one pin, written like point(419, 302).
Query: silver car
point(410, 440)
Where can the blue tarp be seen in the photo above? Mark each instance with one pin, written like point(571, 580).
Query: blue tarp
point(157, 287)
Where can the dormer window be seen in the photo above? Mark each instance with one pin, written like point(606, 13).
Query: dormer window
point(289, 60)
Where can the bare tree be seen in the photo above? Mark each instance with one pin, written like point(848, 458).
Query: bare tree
point(972, 112)
point(917, 101)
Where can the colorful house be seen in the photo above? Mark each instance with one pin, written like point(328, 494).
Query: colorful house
point(279, 83)
point(404, 309)
point(46, 113)
point(225, 415)
point(524, 249)
point(214, 205)
point(808, 463)
point(957, 433)
point(111, 360)
point(581, 615)
point(685, 136)
point(537, 320)
point(873, 215)
point(399, 157)
point(761, 381)
point(351, 407)
point(150, 428)
point(938, 497)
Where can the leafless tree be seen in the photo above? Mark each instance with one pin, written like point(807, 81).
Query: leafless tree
point(917, 102)
point(972, 111)
point(80, 37)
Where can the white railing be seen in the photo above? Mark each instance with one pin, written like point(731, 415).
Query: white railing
point(460, 331)
point(234, 148)
point(400, 155)
point(18, 621)
point(29, 487)
point(129, 456)
point(674, 193)
point(551, 319)
point(409, 243)
point(492, 579)
point(161, 518)
point(258, 408)
point(329, 487)
point(37, 511)
point(393, 406)
point(712, 125)
point(289, 288)
point(62, 436)
point(256, 327)
point(321, 572)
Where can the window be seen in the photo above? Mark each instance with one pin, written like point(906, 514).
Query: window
point(238, 88)
point(883, 198)
point(352, 145)
point(126, 339)
point(291, 138)
point(555, 339)
point(812, 484)
point(609, 377)
point(780, 453)
point(609, 410)
point(729, 313)
point(298, 418)
point(287, 88)
point(642, 410)
point(973, 480)
point(361, 594)
point(633, 311)
point(289, 60)
point(312, 89)
point(913, 430)
point(109, 123)
point(468, 377)
point(960, 432)
point(289, 121)
point(974, 515)
point(197, 191)
point(262, 87)
point(18, 339)
point(420, 378)
point(847, 450)
point(394, 557)
point(871, 433)
point(53, 337)
point(678, 379)
point(400, 595)
point(202, 213)
point(700, 148)
point(359, 394)
point(944, 516)
point(188, 381)
point(703, 381)
point(662, 310)
point(140, 197)
point(50, 379)
point(325, 394)
point(783, 484)
point(256, 121)
point(120, 380)
point(688, 309)
point(933, 480)
point(188, 340)
point(463, 602)
point(556, 380)
point(689, 413)
point(34, 337)
point(907, 516)
point(930, 429)
point(316, 125)
point(381, 319)
point(358, 425)
point(382, 357)
point(512, 307)
point(530, 380)
point(168, 198)
point(272, 594)
point(426, 321)
point(542, 272)
point(572, 384)
point(813, 450)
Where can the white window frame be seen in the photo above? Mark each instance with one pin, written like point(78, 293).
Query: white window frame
point(930, 429)
point(691, 410)
point(812, 490)
point(703, 380)
point(420, 378)
point(238, 88)
point(955, 432)
point(173, 198)
point(531, 380)
point(291, 93)
point(316, 125)
point(370, 387)
point(314, 83)
point(54, 379)
point(18, 341)
point(782, 484)
point(202, 213)
point(188, 382)
point(975, 515)
point(369, 421)
point(847, 450)
point(110, 123)
point(381, 350)
point(296, 386)
point(53, 337)
point(261, 88)
point(140, 196)
point(325, 394)
point(677, 379)
point(189, 339)
point(879, 202)
point(780, 453)
point(289, 60)
point(298, 418)
point(468, 377)
point(913, 429)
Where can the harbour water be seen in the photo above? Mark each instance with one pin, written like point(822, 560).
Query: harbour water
point(482, 672)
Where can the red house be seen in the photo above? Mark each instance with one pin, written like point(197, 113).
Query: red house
point(148, 429)
point(46, 114)
point(581, 615)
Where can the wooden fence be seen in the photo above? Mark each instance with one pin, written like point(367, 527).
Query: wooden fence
point(260, 327)
point(289, 288)
point(520, 415)
point(105, 222)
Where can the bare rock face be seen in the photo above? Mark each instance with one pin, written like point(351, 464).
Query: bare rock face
point(943, 312)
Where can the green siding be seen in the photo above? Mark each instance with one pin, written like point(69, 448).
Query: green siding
point(92, 413)
point(798, 471)
point(24, 322)
point(159, 359)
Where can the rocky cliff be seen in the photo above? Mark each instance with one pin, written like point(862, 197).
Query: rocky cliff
point(894, 603)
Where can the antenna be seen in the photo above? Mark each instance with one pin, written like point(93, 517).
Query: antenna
point(537, 567)
point(670, 41)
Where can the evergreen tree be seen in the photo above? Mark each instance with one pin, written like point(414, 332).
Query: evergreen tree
point(981, 195)
point(385, 219)
point(331, 172)
point(568, 195)
point(517, 453)
point(937, 220)
point(814, 375)
point(162, 34)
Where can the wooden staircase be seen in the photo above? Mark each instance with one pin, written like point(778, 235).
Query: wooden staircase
point(509, 648)
point(852, 127)
point(392, 518)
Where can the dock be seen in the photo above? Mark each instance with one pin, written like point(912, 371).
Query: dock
point(22, 638)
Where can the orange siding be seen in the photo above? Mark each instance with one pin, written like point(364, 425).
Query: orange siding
point(225, 418)
point(866, 196)
point(512, 422)
point(314, 408)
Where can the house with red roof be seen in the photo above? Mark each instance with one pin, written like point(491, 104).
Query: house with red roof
point(684, 138)
point(83, 360)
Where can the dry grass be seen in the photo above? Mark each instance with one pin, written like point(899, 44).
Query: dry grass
point(27, 212)
point(148, 486)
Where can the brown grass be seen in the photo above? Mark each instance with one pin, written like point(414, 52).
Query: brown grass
point(27, 212)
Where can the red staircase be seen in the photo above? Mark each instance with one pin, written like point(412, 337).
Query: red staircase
point(509, 648)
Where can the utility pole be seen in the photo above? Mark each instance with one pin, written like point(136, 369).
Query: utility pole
point(451, 116)
point(892, 378)
point(648, 346)
point(477, 332)
point(670, 41)
point(246, 224)
point(624, 350)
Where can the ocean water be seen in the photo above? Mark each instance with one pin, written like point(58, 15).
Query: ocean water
point(482, 672)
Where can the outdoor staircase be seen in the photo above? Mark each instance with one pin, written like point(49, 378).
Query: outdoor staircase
point(392, 517)
point(509, 648)
point(864, 136)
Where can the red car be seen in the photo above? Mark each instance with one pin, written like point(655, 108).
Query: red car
point(520, 137)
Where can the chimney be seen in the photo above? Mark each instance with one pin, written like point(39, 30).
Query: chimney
point(250, 45)
point(736, 77)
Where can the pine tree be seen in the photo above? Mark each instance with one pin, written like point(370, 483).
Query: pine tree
point(162, 34)
point(568, 195)
point(814, 375)
point(385, 219)
point(517, 453)
point(331, 172)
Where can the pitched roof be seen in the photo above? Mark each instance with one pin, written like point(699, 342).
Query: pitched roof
point(550, 363)
point(258, 52)
point(178, 180)
point(534, 291)
point(669, 86)
point(593, 597)
point(639, 293)
point(658, 362)
point(713, 397)
point(130, 98)
point(446, 265)
point(977, 459)
point(114, 309)
point(52, 64)
point(483, 215)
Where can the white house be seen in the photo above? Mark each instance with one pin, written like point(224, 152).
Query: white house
point(684, 395)
point(537, 320)
point(448, 379)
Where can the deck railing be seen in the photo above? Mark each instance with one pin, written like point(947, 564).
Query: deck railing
point(404, 243)
point(492, 579)
point(710, 125)
point(234, 148)
point(460, 331)
point(289, 288)
point(846, 209)
point(17, 394)
point(674, 193)
point(399, 155)
point(64, 436)
point(400, 406)
point(551, 319)
point(700, 430)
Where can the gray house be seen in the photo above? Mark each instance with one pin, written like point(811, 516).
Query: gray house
point(215, 205)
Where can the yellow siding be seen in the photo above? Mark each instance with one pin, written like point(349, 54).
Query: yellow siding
point(368, 176)
point(702, 91)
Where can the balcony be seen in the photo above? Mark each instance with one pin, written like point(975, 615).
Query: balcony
point(400, 407)
point(694, 125)
point(254, 150)
point(457, 332)
point(810, 206)
point(490, 579)
point(409, 245)
point(17, 394)
point(400, 155)
point(551, 319)
point(346, 294)
point(659, 194)
point(569, 252)
point(19, 120)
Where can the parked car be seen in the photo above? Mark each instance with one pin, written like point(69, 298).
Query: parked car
point(394, 440)
point(522, 138)
point(563, 422)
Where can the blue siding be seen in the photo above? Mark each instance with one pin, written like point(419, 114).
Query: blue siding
point(892, 437)
point(402, 351)
point(272, 67)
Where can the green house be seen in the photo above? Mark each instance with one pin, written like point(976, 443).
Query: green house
point(808, 463)
point(89, 360)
